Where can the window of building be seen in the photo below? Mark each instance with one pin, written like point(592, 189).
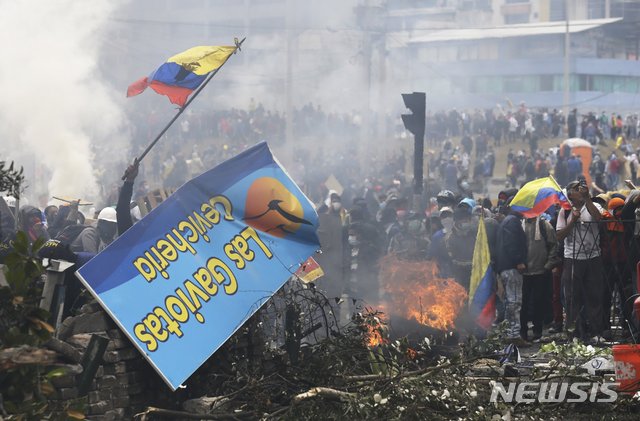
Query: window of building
point(603, 83)
point(585, 83)
point(486, 85)
point(596, 9)
point(488, 51)
point(468, 52)
point(546, 83)
point(557, 10)
point(512, 84)
point(517, 18)
point(633, 85)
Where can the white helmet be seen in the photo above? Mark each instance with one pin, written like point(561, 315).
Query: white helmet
point(108, 214)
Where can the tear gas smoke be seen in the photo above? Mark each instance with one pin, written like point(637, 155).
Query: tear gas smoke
point(54, 105)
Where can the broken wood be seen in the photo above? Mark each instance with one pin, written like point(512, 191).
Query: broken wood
point(325, 392)
point(416, 373)
point(64, 349)
point(169, 413)
point(25, 355)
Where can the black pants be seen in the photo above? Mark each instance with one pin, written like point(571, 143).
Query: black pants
point(583, 289)
point(536, 302)
point(617, 277)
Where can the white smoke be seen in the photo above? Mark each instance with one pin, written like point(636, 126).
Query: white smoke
point(53, 103)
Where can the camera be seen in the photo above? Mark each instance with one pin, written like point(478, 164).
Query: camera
point(582, 183)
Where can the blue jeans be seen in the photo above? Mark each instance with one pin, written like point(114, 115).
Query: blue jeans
point(512, 281)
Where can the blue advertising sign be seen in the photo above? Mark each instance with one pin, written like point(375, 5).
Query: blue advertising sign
point(182, 280)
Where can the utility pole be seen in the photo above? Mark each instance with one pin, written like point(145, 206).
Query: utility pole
point(567, 52)
point(288, 83)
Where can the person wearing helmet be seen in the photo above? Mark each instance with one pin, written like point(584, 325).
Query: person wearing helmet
point(30, 220)
point(446, 198)
point(95, 239)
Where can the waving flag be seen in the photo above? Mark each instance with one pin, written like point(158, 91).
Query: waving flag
point(537, 196)
point(183, 73)
point(482, 297)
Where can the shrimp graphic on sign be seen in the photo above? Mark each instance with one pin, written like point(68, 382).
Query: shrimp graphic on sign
point(272, 208)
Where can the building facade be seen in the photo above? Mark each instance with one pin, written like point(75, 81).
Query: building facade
point(520, 57)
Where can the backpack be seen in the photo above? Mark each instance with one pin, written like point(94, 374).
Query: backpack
point(69, 233)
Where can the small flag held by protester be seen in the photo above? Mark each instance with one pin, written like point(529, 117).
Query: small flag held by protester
point(535, 197)
point(482, 297)
point(309, 271)
point(183, 73)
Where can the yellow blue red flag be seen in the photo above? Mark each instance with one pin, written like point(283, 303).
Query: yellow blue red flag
point(183, 73)
point(535, 197)
point(482, 297)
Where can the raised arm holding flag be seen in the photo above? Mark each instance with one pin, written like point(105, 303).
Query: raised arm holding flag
point(181, 75)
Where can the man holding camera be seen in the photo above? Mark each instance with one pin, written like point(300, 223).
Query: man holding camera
point(582, 270)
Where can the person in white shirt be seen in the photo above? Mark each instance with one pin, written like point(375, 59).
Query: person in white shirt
point(582, 280)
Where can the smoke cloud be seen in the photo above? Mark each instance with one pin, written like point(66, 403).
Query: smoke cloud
point(54, 103)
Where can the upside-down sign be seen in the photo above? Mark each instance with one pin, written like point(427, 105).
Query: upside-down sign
point(182, 280)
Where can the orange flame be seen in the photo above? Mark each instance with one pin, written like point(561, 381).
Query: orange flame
point(374, 327)
point(416, 292)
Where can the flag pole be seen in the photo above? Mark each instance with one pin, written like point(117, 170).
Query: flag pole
point(184, 107)
point(560, 189)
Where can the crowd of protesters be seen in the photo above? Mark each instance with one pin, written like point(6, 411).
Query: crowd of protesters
point(560, 271)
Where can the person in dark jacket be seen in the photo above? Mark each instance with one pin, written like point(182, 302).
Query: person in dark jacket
point(460, 243)
point(96, 238)
point(511, 258)
point(437, 247)
point(537, 290)
point(30, 220)
point(617, 271)
point(123, 212)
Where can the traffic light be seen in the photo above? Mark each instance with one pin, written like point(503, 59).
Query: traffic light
point(414, 122)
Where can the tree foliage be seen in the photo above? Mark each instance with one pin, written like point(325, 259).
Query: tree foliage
point(11, 179)
point(23, 331)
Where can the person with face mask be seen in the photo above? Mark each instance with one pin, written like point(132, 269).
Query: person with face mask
point(437, 249)
point(460, 243)
point(95, 239)
point(30, 220)
point(363, 253)
point(511, 263)
point(333, 242)
point(410, 242)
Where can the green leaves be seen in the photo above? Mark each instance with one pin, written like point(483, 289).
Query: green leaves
point(11, 179)
point(23, 322)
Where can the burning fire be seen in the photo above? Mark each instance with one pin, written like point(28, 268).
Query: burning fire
point(416, 292)
point(374, 327)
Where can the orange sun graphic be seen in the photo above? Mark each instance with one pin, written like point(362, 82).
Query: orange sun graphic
point(272, 208)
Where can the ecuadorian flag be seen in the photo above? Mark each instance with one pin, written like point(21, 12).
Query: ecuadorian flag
point(537, 196)
point(183, 73)
point(482, 297)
